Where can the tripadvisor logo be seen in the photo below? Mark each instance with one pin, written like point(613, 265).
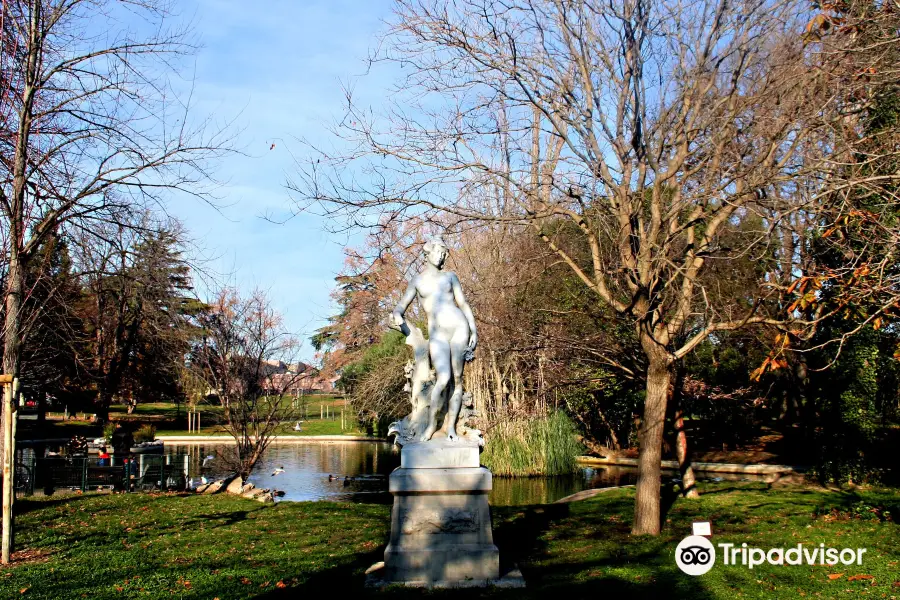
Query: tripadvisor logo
point(696, 555)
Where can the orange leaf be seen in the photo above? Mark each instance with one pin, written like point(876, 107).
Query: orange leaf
point(834, 576)
point(858, 577)
point(281, 584)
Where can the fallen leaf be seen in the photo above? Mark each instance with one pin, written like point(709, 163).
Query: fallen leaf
point(281, 584)
point(23, 590)
point(834, 576)
point(857, 577)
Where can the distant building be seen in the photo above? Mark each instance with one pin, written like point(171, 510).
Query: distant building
point(295, 379)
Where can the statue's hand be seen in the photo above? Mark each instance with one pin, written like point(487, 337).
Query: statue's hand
point(397, 320)
point(473, 341)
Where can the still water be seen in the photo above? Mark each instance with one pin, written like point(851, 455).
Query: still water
point(358, 472)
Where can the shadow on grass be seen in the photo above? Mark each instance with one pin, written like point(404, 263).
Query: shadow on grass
point(24, 506)
point(521, 537)
point(221, 519)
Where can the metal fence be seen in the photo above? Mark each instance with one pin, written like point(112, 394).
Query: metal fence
point(140, 473)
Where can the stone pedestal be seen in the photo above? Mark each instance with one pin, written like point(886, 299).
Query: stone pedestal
point(441, 522)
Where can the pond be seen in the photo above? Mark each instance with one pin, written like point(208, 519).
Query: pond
point(358, 472)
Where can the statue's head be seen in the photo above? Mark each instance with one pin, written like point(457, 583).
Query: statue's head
point(435, 251)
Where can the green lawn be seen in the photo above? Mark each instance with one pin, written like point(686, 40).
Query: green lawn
point(169, 546)
point(310, 427)
point(310, 409)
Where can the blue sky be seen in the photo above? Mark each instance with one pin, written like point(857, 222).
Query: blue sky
point(278, 67)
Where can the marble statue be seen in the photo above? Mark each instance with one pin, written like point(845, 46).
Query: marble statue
point(441, 533)
point(451, 342)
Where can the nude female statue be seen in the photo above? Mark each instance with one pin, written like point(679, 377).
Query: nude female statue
point(451, 332)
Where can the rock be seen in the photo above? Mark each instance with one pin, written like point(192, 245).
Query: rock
point(254, 493)
point(265, 498)
point(214, 487)
point(235, 487)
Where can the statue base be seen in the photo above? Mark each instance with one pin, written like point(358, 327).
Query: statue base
point(441, 522)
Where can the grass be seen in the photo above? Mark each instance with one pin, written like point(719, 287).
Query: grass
point(543, 446)
point(310, 427)
point(315, 423)
point(192, 547)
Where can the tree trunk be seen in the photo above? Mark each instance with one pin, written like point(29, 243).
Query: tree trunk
point(650, 437)
point(104, 401)
point(12, 347)
point(688, 481)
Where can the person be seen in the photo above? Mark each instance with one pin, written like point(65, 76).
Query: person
point(103, 458)
point(452, 336)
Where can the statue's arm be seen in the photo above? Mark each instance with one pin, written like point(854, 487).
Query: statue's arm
point(466, 309)
point(408, 296)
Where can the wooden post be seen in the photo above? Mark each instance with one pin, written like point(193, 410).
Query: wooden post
point(17, 402)
point(342, 420)
point(9, 457)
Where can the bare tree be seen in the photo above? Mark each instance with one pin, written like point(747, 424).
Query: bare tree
point(91, 125)
point(249, 362)
point(660, 130)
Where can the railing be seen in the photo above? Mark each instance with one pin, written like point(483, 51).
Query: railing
point(143, 472)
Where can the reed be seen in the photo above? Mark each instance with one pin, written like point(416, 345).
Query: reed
point(532, 447)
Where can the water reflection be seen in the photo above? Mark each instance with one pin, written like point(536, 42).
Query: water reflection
point(520, 491)
point(358, 471)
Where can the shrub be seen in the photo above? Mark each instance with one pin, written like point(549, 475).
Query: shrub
point(146, 433)
point(108, 430)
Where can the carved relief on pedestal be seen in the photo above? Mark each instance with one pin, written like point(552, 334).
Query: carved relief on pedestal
point(451, 520)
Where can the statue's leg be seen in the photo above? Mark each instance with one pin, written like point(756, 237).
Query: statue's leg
point(440, 361)
point(458, 345)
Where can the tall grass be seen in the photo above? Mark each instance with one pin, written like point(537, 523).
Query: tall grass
point(529, 447)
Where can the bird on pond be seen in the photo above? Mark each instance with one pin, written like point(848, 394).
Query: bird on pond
point(204, 480)
point(277, 471)
point(207, 459)
point(347, 481)
point(333, 478)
